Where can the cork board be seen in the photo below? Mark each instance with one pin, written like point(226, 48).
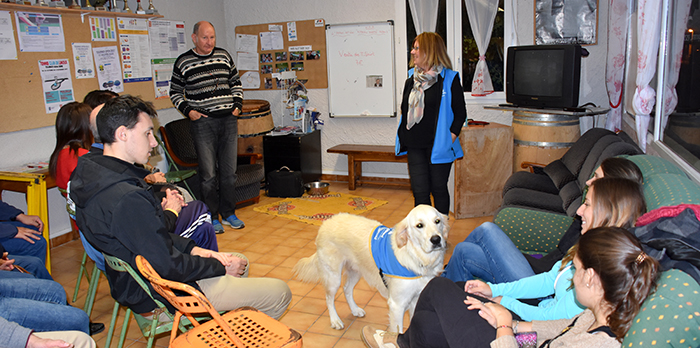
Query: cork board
point(314, 62)
point(21, 92)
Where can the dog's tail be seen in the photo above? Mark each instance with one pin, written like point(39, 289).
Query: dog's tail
point(306, 269)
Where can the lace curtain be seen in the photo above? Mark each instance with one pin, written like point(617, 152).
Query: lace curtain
point(618, 22)
point(424, 13)
point(648, 29)
point(482, 14)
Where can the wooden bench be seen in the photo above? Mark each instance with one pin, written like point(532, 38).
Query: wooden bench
point(364, 153)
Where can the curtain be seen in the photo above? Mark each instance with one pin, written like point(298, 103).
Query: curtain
point(481, 17)
point(424, 13)
point(618, 23)
point(648, 29)
point(679, 19)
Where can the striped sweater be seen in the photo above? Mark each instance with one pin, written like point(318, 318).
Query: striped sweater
point(209, 84)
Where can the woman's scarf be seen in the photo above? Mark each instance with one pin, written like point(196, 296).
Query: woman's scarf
point(422, 80)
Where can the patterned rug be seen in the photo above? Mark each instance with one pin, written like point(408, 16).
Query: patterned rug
point(316, 209)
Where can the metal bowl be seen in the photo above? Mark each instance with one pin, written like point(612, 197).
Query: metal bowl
point(317, 188)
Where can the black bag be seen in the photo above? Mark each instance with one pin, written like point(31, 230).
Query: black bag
point(285, 183)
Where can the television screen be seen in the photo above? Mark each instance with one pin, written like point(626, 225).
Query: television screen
point(543, 76)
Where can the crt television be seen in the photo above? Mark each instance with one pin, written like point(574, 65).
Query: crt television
point(543, 76)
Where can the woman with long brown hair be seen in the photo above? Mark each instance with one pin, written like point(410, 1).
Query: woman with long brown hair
point(73, 139)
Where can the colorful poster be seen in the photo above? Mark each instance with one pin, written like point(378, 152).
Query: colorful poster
point(40, 32)
point(103, 29)
point(109, 72)
point(167, 42)
point(56, 82)
point(82, 57)
point(135, 52)
point(162, 72)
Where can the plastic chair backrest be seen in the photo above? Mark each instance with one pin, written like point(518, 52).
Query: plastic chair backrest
point(196, 302)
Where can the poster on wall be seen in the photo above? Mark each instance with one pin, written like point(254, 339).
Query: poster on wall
point(109, 70)
point(135, 52)
point(82, 58)
point(56, 82)
point(8, 50)
point(103, 29)
point(566, 22)
point(167, 41)
point(40, 32)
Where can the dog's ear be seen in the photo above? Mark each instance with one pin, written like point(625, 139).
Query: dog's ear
point(401, 233)
point(445, 222)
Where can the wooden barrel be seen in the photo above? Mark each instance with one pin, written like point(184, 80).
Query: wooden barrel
point(254, 121)
point(541, 137)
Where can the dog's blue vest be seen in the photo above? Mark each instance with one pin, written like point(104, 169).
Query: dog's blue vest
point(383, 254)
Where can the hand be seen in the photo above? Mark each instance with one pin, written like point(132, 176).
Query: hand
point(31, 220)
point(494, 313)
point(28, 234)
point(173, 200)
point(155, 178)
point(6, 264)
point(35, 341)
point(477, 287)
point(237, 266)
point(194, 115)
point(236, 112)
point(454, 137)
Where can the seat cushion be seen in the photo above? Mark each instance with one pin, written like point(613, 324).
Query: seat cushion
point(661, 190)
point(650, 165)
point(532, 231)
point(670, 317)
point(559, 174)
point(534, 199)
point(527, 180)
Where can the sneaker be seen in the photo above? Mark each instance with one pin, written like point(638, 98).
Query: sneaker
point(233, 221)
point(374, 338)
point(218, 229)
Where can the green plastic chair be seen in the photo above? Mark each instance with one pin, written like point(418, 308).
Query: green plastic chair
point(149, 327)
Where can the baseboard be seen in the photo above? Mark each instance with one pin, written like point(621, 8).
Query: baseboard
point(369, 180)
point(64, 238)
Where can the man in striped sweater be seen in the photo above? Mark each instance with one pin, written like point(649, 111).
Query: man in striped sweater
point(206, 88)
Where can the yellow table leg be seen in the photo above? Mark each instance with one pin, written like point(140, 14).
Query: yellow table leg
point(37, 205)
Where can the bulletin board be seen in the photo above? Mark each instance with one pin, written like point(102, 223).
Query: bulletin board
point(21, 91)
point(361, 79)
point(309, 63)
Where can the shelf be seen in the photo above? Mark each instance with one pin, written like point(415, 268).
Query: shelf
point(7, 6)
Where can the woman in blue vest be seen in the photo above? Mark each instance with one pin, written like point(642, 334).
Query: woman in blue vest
point(432, 115)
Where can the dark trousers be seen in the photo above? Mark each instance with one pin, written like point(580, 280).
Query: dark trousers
point(442, 319)
point(427, 178)
point(216, 142)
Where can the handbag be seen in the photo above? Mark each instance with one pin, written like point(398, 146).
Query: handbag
point(285, 182)
point(526, 339)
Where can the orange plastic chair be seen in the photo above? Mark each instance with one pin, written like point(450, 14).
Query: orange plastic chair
point(243, 327)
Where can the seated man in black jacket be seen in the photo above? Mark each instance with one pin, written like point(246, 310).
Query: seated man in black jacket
point(120, 217)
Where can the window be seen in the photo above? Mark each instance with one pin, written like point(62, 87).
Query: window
point(470, 53)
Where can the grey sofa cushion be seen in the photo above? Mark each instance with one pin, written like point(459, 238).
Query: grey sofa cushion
point(559, 173)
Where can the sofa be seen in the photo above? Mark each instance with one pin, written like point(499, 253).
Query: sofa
point(671, 316)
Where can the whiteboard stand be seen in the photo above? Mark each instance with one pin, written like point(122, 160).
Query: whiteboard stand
point(361, 74)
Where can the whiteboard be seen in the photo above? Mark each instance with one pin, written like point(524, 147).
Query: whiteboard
point(361, 79)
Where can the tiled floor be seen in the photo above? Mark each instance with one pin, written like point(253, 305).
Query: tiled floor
point(274, 245)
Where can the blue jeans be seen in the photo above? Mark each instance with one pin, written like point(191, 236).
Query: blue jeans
point(19, 246)
point(427, 178)
point(489, 254)
point(40, 305)
point(33, 265)
point(216, 143)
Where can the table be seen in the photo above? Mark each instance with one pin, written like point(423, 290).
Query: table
point(481, 174)
point(358, 153)
point(35, 186)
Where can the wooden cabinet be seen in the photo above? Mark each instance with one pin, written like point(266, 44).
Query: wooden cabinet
point(296, 151)
point(484, 169)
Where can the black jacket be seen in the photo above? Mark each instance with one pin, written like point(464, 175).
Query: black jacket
point(119, 216)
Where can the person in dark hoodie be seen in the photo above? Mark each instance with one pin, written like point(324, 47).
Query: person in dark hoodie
point(120, 217)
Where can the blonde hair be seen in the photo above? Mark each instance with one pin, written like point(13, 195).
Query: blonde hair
point(432, 47)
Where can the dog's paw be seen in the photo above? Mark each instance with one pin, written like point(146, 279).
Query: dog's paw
point(359, 312)
point(337, 324)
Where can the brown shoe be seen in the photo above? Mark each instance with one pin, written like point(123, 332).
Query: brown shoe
point(374, 338)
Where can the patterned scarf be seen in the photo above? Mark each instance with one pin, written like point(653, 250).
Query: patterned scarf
point(422, 80)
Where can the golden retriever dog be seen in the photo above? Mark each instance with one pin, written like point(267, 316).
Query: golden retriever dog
point(347, 243)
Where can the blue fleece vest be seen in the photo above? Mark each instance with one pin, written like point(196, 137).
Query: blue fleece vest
point(383, 254)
